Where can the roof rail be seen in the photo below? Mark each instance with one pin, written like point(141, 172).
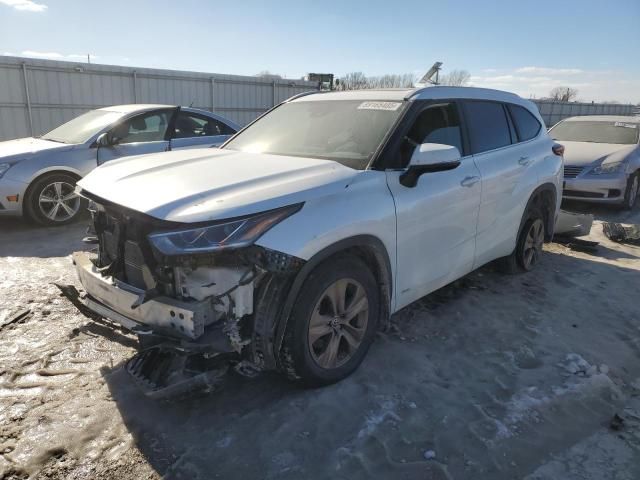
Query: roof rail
point(304, 94)
point(416, 91)
point(420, 90)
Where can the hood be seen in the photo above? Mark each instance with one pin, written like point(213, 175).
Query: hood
point(585, 153)
point(26, 147)
point(208, 184)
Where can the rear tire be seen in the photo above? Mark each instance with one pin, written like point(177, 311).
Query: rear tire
point(631, 193)
point(333, 322)
point(528, 249)
point(51, 200)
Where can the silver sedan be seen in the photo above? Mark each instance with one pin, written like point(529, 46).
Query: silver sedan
point(601, 158)
point(38, 175)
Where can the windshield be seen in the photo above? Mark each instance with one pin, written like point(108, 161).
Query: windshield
point(596, 132)
point(82, 128)
point(347, 131)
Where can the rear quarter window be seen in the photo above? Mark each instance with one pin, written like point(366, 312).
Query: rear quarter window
point(527, 126)
point(487, 125)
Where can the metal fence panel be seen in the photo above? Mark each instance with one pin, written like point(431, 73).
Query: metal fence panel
point(38, 95)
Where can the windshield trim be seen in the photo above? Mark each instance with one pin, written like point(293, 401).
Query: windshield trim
point(404, 107)
point(591, 123)
point(90, 139)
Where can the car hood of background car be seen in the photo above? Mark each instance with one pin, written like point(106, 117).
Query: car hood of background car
point(585, 153)
point(206, 184)
point(26, 147)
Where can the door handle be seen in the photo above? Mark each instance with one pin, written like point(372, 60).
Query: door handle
point(469, 181)
point(524, 161)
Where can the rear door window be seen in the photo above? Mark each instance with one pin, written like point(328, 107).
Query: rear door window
point(487, 124)
point(189, 125)
point(527, 126)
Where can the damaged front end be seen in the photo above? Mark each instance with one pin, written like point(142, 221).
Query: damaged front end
point(190, 292)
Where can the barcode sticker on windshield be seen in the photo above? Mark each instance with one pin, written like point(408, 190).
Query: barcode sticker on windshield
point(392, 106)
point(625, 125)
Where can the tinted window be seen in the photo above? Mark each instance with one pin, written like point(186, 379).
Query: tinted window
point(436, 124)
point(190, 125)
point(527, 126)
point(597, 132)
point(487, 125)
point(148, 127)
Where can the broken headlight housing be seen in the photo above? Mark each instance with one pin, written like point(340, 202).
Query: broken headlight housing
point(606, 168)
point(234, 233)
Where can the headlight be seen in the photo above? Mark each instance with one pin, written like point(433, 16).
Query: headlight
point(3, 168)
point(231, 234)
point(603, 169)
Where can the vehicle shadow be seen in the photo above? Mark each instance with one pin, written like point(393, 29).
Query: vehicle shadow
point(440, 380)
point(20, 238)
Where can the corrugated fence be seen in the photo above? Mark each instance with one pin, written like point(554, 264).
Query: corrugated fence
point(552, 112)
point(38, 95)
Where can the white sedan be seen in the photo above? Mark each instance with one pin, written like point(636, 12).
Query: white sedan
point(602, 159)
point(38, 175)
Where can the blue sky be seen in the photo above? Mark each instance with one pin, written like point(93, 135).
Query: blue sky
point(523, 46)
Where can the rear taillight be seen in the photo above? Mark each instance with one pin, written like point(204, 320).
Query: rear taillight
point(558, 149)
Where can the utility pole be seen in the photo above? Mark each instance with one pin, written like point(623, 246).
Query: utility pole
point(89, 58)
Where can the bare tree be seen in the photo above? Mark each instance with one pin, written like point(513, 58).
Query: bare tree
point(359, 81)
point(563, 94)
point(268, 74)
point(353, 81)
point(455, 78)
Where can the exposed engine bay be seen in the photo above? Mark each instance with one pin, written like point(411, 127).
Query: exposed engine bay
point(194, 314)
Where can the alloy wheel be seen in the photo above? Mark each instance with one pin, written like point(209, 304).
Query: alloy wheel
point(58, 201)
point(533, 244)
point(338, 323)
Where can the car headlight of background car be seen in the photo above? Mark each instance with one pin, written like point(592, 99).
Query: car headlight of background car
point(606, 168)
point(219, 236)
point(3, 168)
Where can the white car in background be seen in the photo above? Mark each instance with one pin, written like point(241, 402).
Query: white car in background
point(291, 244)
point(38, 175)
point(602, 158)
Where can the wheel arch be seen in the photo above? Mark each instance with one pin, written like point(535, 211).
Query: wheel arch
point(544, 197)
point(368, 248)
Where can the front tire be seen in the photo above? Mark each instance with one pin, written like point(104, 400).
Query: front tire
point(333, 322)
point(631, 193)
point(52, 201)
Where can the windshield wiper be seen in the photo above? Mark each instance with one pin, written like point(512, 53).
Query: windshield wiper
point(52, 140)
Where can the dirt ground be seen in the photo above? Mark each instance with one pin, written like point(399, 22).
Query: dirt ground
point(496, 377)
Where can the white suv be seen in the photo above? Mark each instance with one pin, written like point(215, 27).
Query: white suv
point(289, 246)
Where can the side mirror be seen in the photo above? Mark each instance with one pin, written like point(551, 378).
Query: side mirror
point(430, 157)
point(104, 140)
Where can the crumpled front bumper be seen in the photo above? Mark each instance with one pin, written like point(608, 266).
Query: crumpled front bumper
point(113, 299)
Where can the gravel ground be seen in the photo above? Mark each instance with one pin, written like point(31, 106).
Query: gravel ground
point(495, 377)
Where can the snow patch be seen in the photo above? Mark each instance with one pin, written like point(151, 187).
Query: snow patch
point(374, 419)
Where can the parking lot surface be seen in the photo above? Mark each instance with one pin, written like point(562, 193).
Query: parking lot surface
point(531, 376)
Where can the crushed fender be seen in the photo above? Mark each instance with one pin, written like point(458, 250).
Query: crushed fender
point(570, 225)
point(164, 372)
point(619, 233)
